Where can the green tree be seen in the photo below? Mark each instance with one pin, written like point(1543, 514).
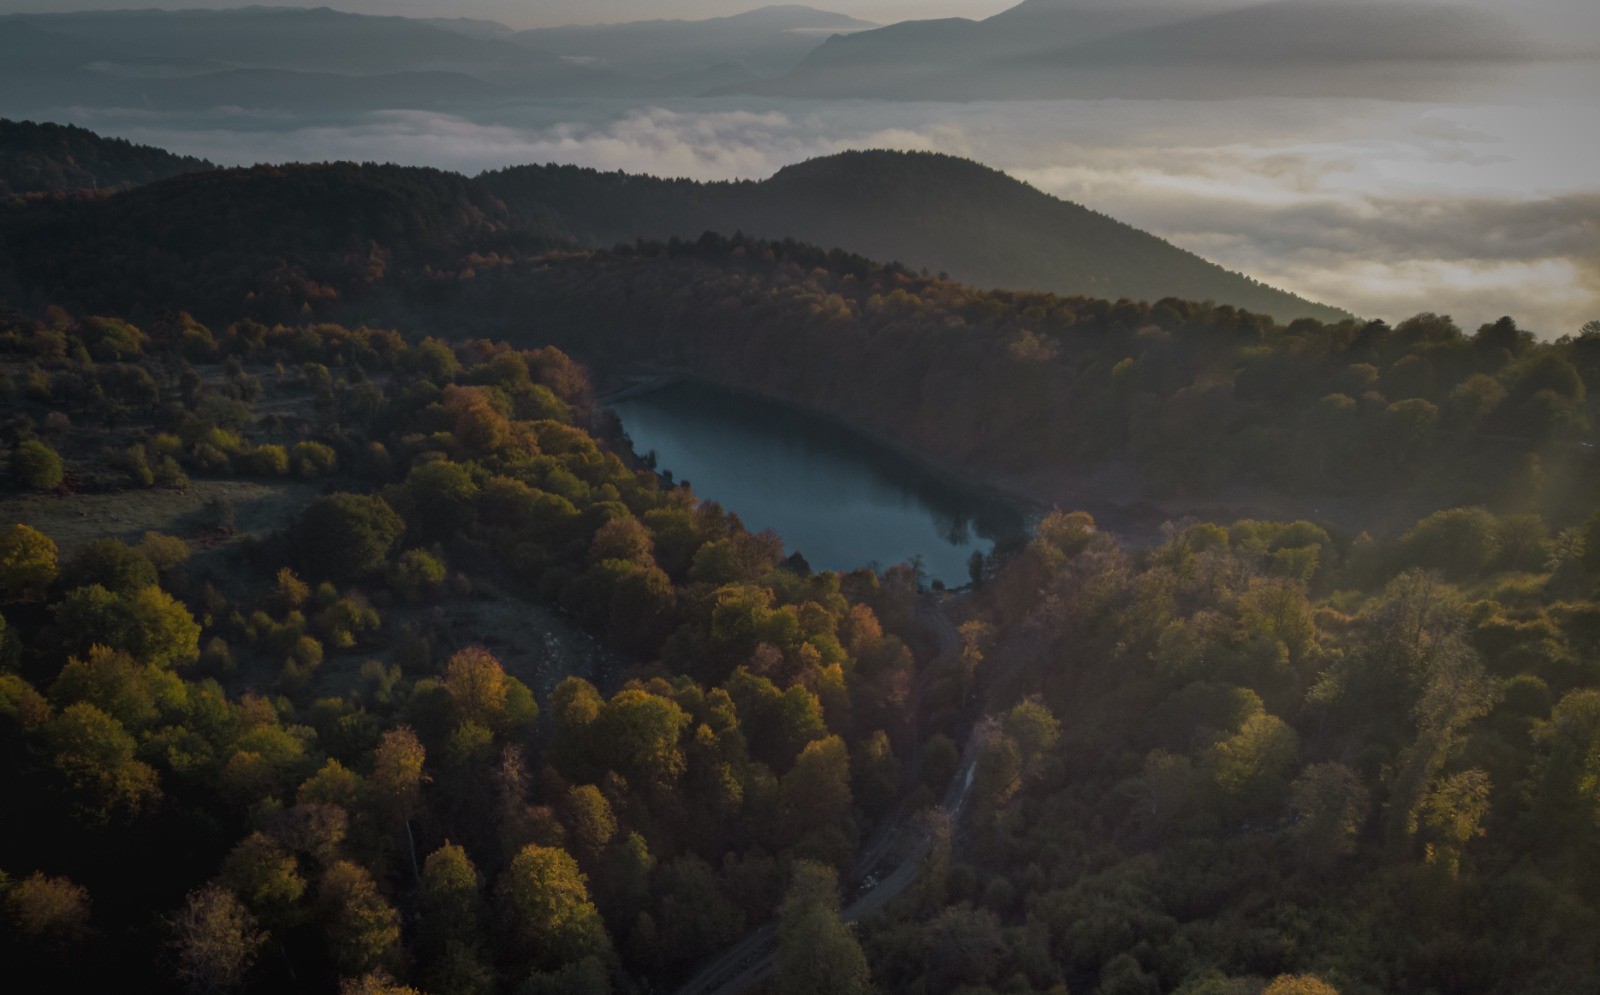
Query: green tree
point(347, 536)
point(95, 757)
point(641, 734)
point(816, 790)
point(589, 820)
point(361, 928)
point(27, 563)
point(164, 633)
point(112, 564)
point(1330, 805)
point(817, 952)
point(266, 877)
point(35, 466)
point(545, 906)
point(451, 903)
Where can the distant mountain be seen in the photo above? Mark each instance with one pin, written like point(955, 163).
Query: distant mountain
point(1176, 48)
point(930, 211)
point(54, 158)
point(270, 58)
point(282, 58)
point(766, 42)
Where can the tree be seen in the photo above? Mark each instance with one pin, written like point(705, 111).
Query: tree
point(35, 466)
point(477, 686)
point(49, 912)
point(395, 785)
point(640, 737)
point(347, 536)
point(451, 903)
point(266, 877)
point(817, 952)
point(1250, 766)
point(1299, 984)
point(1462, 542)
point(589, 820)
point(622, 538)
point(112, 564)
point(95, 756)
point(164, 633)
point(362, 929)
point(545, 907)
point(1033, 728)
point(27, 563)
point(215, 939)
point(1330, 805)
point(962, 946)
point(375, 983)
point(1452, 816)
point(816, 790)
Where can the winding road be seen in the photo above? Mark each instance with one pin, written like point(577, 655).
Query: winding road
point(888, 863)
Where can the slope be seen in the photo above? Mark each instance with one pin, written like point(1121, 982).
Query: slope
point(929, 211)
point(54, 158)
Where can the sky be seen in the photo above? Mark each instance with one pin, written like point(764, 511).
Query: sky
point(547, 13)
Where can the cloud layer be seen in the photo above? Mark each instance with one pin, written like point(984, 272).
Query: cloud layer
point(1484, 207)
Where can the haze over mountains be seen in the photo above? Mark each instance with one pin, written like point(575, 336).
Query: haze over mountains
point(322, 59)
point(1461, 187)
point(1177, 48)
point(292, 58)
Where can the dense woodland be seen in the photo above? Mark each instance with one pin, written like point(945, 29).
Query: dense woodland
point(1259, 752)
point(279, 753)
point(42, 158)
point(1341, 753)
point(1176, 399)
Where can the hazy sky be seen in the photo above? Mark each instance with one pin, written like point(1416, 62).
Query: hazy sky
point(1576, 21)
point(543, 13)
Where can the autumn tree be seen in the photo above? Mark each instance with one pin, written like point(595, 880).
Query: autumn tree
point(361, 927)
point(215, 940)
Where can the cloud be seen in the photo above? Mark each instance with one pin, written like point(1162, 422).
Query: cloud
point(1477, 208)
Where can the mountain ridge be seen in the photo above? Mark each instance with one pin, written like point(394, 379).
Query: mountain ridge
point(928, 211)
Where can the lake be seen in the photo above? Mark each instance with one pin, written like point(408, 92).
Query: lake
point(841, 500)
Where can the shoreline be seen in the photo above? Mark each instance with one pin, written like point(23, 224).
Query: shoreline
point(1136, 518)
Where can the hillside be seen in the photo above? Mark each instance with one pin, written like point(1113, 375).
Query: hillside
point(54, 158)
point(929, 211)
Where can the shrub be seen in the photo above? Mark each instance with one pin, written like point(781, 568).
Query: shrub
point(36, 466)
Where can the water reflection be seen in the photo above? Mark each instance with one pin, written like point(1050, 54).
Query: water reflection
point(841, 500)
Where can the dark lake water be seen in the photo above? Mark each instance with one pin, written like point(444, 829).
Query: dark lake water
point(841, 500)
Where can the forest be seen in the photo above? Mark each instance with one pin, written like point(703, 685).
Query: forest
point(1252, 756)
point(276, 503)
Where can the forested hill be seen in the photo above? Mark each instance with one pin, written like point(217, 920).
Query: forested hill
point(55, 158)
point(929, 211)
point(933, 212)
